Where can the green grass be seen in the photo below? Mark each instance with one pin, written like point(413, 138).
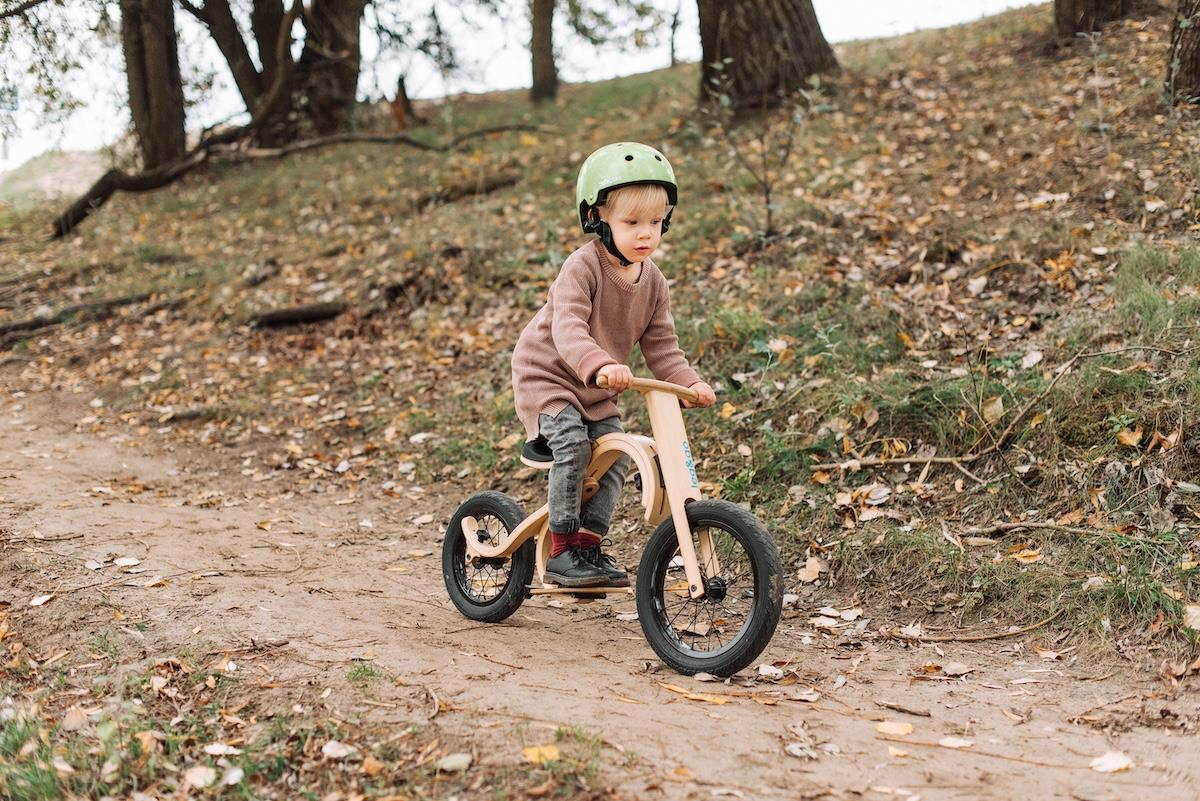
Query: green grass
point(363, 673)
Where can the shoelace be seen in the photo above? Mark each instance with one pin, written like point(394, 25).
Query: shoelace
point(598, 558)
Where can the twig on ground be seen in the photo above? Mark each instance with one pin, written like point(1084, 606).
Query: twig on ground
point(993, 528)
point(1000, 635)
point(437, 704)
point(897, 707)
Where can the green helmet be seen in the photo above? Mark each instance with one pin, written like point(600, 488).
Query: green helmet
point(617, 165)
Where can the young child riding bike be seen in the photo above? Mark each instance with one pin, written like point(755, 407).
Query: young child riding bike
point(608, 296)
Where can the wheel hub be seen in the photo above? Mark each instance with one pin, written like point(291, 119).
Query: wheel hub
point(715, 589)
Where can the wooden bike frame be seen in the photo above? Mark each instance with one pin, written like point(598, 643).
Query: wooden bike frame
point(669, 483)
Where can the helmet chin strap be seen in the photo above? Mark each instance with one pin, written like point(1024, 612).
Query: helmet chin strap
point(607, 238)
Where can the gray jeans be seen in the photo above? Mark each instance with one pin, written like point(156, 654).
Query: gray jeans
point(570, 439)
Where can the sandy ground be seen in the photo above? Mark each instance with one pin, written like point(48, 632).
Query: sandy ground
point(344, 578)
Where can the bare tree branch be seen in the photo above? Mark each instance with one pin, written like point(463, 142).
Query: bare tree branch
point(20, 8)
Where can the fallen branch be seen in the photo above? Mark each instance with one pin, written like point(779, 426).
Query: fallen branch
point(992, 529)
point(115, 180)
point(449, 194)
point(92, 310)
point(310, 313)
point(971, 637)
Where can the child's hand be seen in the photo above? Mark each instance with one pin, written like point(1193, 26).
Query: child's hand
point(619, 376)
point(707, 396)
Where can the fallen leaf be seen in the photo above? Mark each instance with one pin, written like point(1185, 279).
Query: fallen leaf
point(423, 520)
point(510, 441)
point(993, 409)
point(1191, 616)
point(811, 570)
point(691, 696)
point(1111, 762)
point(460, 761)
point(955, 742)
point(894, 728)
point(74, 720)
point(127, 561)
point(199, 776)
point(727, 410)
point(957, 669)
point(41, 599)
point(769, 672)
point(335, 750)
point(416, 553)
point(820, 477)
point(1027, 556)
point(1130, 438)
point(221, 749)
point(800, 750)
point(540, 754)
point(896, 752)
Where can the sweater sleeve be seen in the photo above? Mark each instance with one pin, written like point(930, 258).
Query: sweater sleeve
point(660, 345)
point(573, 292)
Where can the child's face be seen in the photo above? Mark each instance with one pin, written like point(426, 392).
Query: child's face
point(636, 233)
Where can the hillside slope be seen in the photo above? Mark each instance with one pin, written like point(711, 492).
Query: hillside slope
point(962, 374)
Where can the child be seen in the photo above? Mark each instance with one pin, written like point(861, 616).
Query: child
point(608, 296)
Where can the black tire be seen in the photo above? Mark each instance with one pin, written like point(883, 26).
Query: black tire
point(488, 590)
point(745, 605)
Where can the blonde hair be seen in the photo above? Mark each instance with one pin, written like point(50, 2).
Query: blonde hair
point(635, 200)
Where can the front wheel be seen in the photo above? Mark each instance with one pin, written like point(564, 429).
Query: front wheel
point(726, 629)
point(487, 590)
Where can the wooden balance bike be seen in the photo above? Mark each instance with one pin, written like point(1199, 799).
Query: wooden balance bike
point(709, 586)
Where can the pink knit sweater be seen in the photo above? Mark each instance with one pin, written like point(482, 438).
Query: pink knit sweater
point(593, 317)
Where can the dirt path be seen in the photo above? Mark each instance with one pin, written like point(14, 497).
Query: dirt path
point(344, 579)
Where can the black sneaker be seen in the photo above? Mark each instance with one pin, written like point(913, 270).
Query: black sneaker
point(570, 569)
point(598, 558)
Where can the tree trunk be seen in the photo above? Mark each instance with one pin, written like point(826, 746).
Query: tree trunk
point(265, 18)
point(327, 73)
point(1086, 16)
point(155, 86)
point(545, 75)
point(675, 30)
point(218, 17)
point(1183, 59)
point(759, 51)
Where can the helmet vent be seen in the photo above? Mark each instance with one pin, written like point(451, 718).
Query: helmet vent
point(629, 158)
point(658, 158)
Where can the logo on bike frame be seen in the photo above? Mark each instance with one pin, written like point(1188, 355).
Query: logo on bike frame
point(691, 466)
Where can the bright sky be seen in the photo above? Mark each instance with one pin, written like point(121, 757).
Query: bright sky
point(497, 57)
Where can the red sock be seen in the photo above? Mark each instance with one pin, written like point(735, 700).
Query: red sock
point(560, 543)
point(587, 539)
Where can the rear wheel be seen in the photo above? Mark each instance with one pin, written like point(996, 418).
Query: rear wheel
point(726, 629)
point(487, 590)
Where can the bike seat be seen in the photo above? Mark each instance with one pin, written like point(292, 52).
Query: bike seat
point(536, 453)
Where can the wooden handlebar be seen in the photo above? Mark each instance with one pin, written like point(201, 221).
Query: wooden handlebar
point(653, 385)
